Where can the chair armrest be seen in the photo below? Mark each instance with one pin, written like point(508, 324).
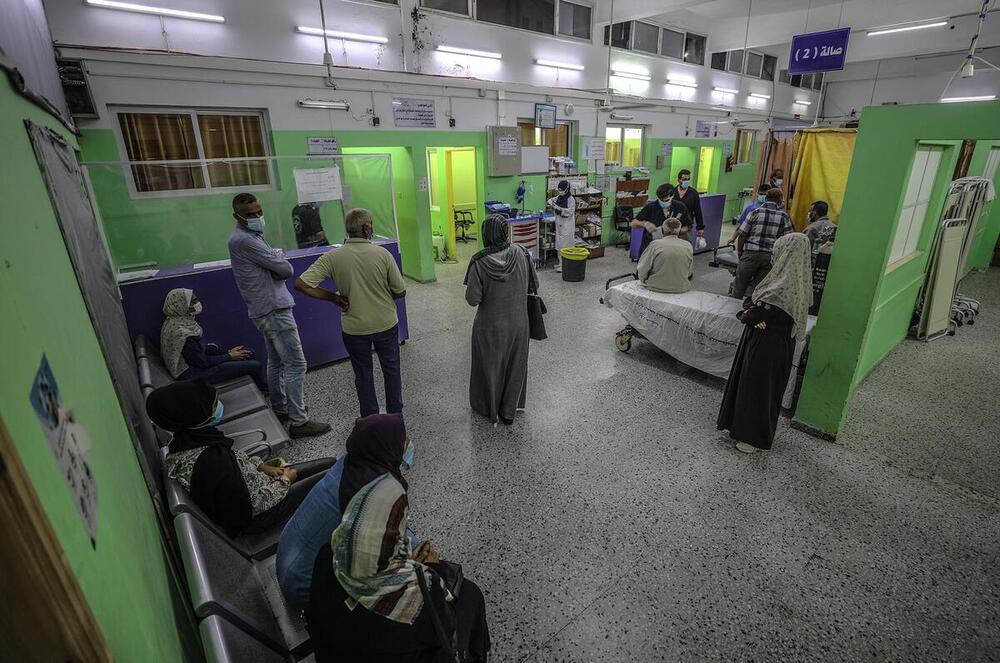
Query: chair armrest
point(252, 431)
point(258, 448)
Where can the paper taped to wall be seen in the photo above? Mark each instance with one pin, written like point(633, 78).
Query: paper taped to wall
point(315, 185)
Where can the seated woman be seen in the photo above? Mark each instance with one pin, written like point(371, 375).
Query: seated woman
point(774, 318)
point(239, 493)
point(667, 265)
point(367, 602)
point(377, 445)
point(187, 356)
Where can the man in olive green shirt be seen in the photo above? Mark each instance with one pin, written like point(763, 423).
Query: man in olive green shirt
point(667, 264)
point(368, 285)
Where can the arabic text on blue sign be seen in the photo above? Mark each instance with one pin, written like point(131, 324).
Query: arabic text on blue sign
point(818, 51)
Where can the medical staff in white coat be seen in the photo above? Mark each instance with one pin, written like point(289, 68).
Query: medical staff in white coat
point(564, 206)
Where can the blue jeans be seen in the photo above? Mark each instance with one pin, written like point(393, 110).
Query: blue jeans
point(386, 346)
point(286, 365)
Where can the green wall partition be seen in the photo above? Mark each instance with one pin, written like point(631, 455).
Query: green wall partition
point(866, 310)
point(982, 251)
point(124, 576)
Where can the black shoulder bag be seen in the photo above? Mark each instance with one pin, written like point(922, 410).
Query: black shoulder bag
point(536, 309)
point(448, 644)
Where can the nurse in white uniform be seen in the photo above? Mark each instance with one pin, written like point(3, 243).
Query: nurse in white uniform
point(564, 206)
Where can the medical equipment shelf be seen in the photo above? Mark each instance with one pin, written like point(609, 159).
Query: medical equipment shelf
point(589, 206)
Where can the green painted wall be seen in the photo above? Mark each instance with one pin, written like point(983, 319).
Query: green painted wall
point(865, 311)
point(982, 251)
point(125, 578)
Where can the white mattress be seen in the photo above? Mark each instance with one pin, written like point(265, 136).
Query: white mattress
point(697, 328)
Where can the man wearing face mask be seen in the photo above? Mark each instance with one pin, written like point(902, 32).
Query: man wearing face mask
point(819, 223)
point(369, 284)
point(777, 179)
point(688, 195)
point(260, 272)
point(655, 212)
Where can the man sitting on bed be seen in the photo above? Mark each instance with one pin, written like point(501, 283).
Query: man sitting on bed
point(667, 265)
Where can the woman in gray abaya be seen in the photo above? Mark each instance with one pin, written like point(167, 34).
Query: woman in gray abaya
point(498, 282)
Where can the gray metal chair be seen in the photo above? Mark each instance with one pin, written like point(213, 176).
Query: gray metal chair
point(223, 582)
point(225, 643)
point(262, 422)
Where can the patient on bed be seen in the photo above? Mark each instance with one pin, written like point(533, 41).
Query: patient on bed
point(667, 264)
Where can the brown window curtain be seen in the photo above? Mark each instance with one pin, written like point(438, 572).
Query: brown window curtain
point(161, 137)
point(964, 158)
point(527, 133)
point(556, 139)
point(234, 137)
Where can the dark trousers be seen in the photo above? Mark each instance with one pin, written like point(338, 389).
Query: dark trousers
point(752, 267)
point(229, 370)
point(386, 346)
point(309, 474)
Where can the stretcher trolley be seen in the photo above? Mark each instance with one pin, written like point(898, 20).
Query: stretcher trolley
point(698, 328)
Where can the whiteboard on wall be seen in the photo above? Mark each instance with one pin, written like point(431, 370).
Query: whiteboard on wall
point(534, 159)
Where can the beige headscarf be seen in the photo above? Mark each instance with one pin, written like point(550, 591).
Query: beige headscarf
point(789, 283)
point(177, 328)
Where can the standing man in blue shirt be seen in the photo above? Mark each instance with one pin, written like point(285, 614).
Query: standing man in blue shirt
point(260, 272)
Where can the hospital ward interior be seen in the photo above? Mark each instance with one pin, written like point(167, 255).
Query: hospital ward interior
point(678, 321)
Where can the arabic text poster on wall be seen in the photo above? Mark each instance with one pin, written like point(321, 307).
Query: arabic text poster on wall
point(315, 185)
point(667, 150)
point(414, 113)
point(507, 146)
point(323, 145)
point(70, 444)
point(703, 129)
point(595, 150)
point(819, 51)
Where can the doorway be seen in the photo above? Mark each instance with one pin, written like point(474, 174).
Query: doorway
point(706, 160)
point(452, 192)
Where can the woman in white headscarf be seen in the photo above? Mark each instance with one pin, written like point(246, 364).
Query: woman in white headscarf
point(186, 354)
point(775, 317)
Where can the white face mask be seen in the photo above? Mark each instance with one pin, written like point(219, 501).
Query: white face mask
point(196, 309)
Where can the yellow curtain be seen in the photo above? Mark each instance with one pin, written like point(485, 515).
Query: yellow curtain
point(233, 137)
point(822, 161)
point(161, 137)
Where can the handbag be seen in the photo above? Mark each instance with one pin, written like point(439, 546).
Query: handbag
point(449, 648)
point(536, 309)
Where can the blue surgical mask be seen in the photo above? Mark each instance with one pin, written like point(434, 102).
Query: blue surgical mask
point(778, 181)
point(665, 204)
point(408, 456)
point(216, 416)
point(686, 184)
point(761, 199)
point(256, 225)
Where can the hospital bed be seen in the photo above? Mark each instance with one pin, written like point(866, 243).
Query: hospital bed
point(698, 328)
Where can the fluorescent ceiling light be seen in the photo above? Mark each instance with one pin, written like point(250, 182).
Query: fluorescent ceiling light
point(634, 75)
point(470, 51)
point(328, 105)
point(725, 90)
point(905, 28)
point(159, 11)
point(558, 65)
point(803, 102)
point(758, 95)
point(681, 82)
point(337, 34)
point(955, 100)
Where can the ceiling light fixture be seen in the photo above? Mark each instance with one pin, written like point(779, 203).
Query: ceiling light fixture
point(558, 65)
point(326, 105)
point(634, 75)
point(758, 95)
point(470, 51)
point(803, 102)
point(337, 34)
point(955, 100)
point(681, 82)
point(159, 11)
point(726, 90)
point(905, 28)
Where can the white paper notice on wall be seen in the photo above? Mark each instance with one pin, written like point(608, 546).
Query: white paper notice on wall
point(594, 150)
point(703, 129)
point(666, 150)
point(507, 146)
point(318, 184)
point(422, 184)
point(322, 145)
point(414, 113)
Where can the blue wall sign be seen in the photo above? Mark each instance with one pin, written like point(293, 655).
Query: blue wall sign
point(818, 51)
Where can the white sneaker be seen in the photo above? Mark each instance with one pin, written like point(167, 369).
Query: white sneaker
point(746, 448)
point(558, 269)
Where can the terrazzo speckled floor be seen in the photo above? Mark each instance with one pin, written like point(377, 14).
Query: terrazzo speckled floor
point(611, 522)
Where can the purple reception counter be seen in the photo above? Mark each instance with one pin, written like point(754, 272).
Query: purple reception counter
point(713, 205)
point(224, 318)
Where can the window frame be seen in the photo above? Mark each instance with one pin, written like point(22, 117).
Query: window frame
point(621, 133)
point(630, 47)
point(470, 7)
point(683, 35)
point(473, 15)
point(570, 132)
point(752, 133)
point(746, 63)
point(687, 35)
point(202, 161)
point(656, 47)
point(590, 30)
point(892, 264)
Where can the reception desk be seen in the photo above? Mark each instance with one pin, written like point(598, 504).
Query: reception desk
point(224, 317)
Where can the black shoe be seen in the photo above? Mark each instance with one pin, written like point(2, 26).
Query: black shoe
point(309, 429)
point(282, 417)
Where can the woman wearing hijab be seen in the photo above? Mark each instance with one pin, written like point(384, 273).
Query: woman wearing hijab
point(774, 318)
point(367, 604)
point(498, 282)
point(564, 205)
point(239, 493)
point(377, 445)
point(188, 357)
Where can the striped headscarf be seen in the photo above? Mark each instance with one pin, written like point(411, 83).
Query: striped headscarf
point(178, 326)
point(789, 283)
point(371, 552)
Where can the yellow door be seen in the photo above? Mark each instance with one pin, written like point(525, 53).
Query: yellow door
point(705, 159)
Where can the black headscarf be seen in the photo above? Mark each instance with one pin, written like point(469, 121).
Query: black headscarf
point(564, 194)
point(217, 484)
point(496, 238)
point(374, 447)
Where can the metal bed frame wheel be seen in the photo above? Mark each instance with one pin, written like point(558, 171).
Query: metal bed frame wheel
point(623, 339)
